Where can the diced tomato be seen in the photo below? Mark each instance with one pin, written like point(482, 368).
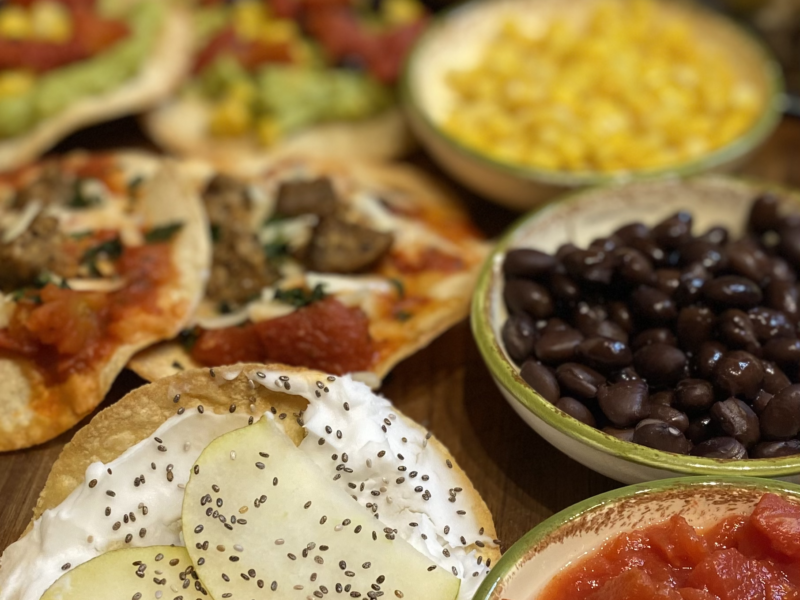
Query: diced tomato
point(73, 4)
point(732, 576)
point(249, 54)
point(94, 33)
point(326, 335)
point(723, 534)
point(779, 520)
point(695, 594)
point(227, 346)
point(634, 585)
point(68, 320)
point(285, 9)
point(678, 542)
point(752, 542)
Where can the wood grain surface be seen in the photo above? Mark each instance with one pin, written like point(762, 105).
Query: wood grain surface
point(445, 387)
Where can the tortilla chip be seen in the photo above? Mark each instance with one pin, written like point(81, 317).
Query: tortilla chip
point(159, 75)
point(34, 412)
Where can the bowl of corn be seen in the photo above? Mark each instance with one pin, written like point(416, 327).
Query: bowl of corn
point(521, 100)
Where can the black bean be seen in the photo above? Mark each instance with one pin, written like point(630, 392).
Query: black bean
point(632, 231)
point(732, 291)
point(776, 449)
point(564, 287)
point(747, 259)
point(738, 373)
point(653, 305)
point(626, 374)
point(526, 262)
point(620, 314)
point(783, 296)
point(590, 265)
point(656, 335)
point(670, 416)
point(769, 323)
point(784, 351)
point(587, 315)
point(715, 235)
point(673, 231)
point(695, 326)
point(633, 266)
point(762, 399)
point(694, 395)
point(720, 447)
point(667, 281)
point(692, 280)
point(604, 354)
point(554, 324)
point(774, 378)
point(606, 244)
point(579, 380)
point(659, 435)
point(737, 420)
point(519, 335)
point(541, 379)
point(789, 246)
point(650, 249)
point(557, 346)
point(707, 357)
point(780, 420)
point(660, 364)
point(624, 403)
point(523, 296)
point(736, 330)
point(780, 270)
point(626, 435)
point(665, 397)
point(576, 410)
point(764, 214)
point(711, 256)
point(701, 429)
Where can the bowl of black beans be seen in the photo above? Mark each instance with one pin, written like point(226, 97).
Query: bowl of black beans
point(652, 330)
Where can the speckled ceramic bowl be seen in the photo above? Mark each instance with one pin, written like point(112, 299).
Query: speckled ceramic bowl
point(580, 218)
point(455, 40)
point(529, 565)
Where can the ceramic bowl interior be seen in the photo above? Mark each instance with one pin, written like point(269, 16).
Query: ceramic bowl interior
point(580, 218)
point(456, 41)
point(528, 566)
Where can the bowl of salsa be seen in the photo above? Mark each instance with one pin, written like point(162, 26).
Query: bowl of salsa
point(688, 538)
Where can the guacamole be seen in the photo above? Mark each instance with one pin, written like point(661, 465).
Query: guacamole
point(58, 89)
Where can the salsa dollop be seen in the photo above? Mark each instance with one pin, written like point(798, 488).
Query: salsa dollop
point(741, 557)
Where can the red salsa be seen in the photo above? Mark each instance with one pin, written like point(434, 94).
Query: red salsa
point(326, 335)
point(65, 331)
point(754, 557)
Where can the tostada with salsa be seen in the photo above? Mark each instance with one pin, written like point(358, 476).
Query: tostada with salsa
point(101, 256)
point(343, 267)
point(66, 64)
point(310, 76)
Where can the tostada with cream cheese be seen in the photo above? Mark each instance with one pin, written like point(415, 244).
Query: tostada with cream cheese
point(310, 76)
point(101, 256)
point(254, 468)
point(66, 64)
point(343, 267)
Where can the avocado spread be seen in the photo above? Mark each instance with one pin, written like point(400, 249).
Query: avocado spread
point(58, 89)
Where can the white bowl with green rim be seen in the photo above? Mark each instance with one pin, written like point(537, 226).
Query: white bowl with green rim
point(529, 565)
point(579, 218)
point(456, 38)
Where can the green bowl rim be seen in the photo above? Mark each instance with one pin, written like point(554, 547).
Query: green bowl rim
point(520, 548)
point(507, 375)
point(739, 147)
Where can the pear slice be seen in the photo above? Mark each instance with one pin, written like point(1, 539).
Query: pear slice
point(145, 573)
point(261, 520)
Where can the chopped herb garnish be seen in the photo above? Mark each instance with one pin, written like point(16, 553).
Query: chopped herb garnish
point(276, 250)
point(112, 249)
point(162, 233)
point(188, 338)
point(22, 294)
point(42, 279)
point(225, 308)
point(17, 295)
point(401, 289)
point(402, 315)
point(300, 297)
point(215, 233)
point(133, 184)
point(80, 235)
point(80, 199)
point(275, 218)
point(177, 365)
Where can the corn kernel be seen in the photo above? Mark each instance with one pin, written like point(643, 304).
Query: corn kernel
point(51, 22)
point(629, 88)
point(400, 12)
point(248, 19)
point(230, 118)
point(268, 131)
point(15, 83)
point(15, 23)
